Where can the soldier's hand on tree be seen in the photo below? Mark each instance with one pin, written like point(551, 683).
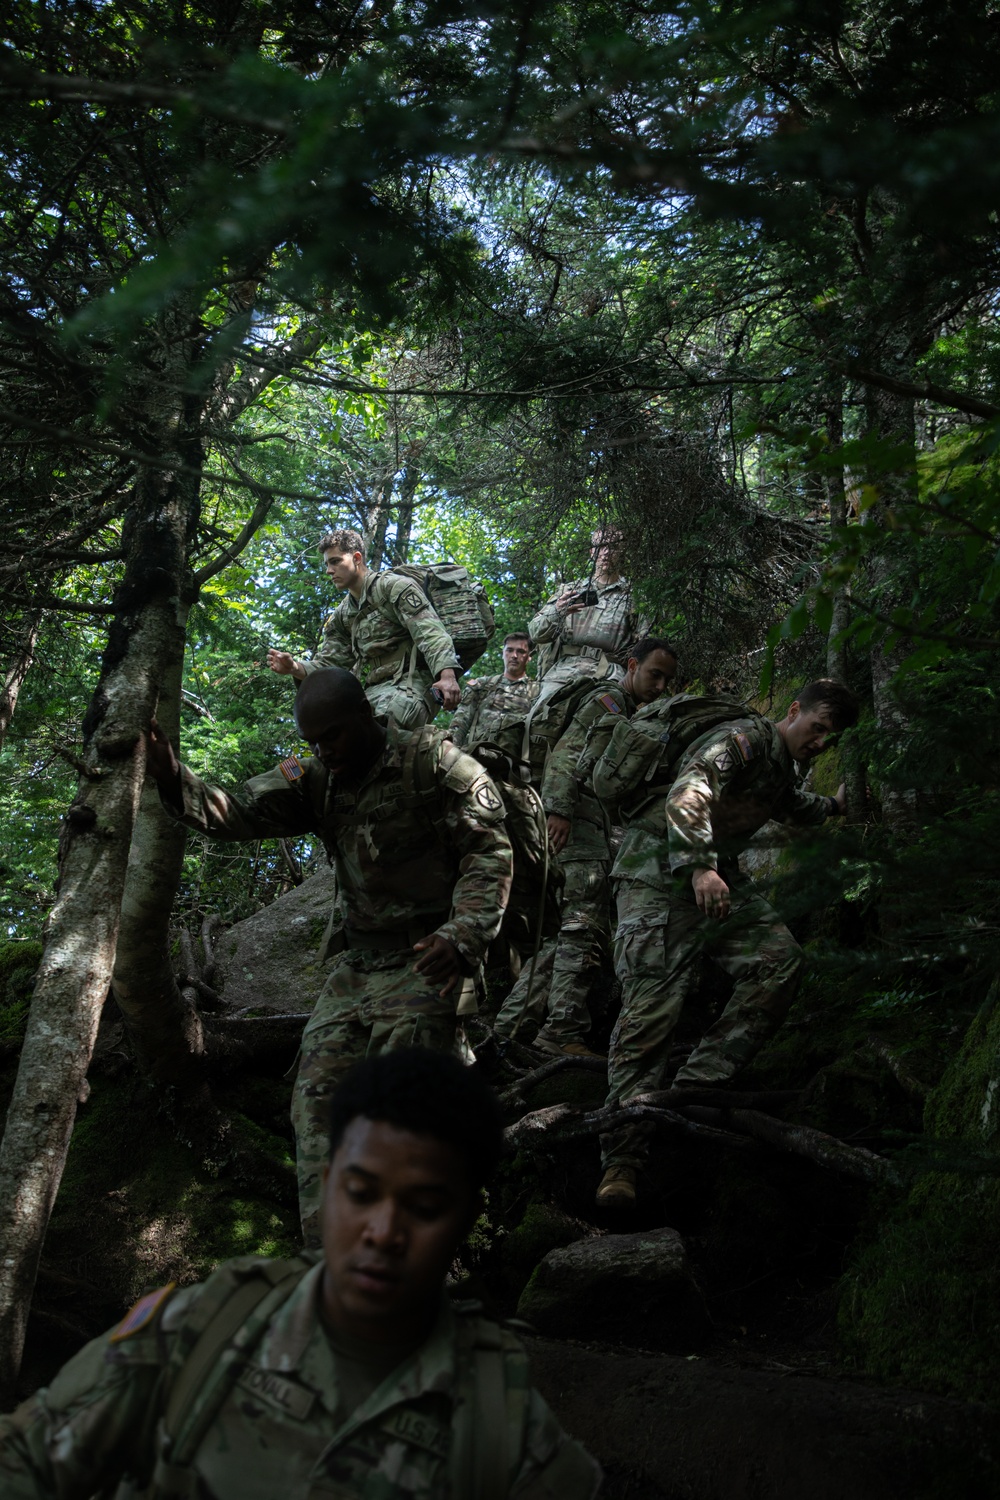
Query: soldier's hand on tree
point(161, 762)
point(559, 832)
point(711, 893)
point(284, 664)
point(447, 690)
point(440, 963)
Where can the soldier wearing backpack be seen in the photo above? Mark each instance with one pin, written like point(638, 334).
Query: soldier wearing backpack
point(388, 632)
point(578, 835)
point(414, 827)
point(344, 1374)
point(694, 779)
point(494, 708)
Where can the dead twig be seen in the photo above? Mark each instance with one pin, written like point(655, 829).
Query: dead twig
point(907, 1082)
point(827, 1150)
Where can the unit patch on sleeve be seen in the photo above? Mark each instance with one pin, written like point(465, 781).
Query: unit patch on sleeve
point(487, 797)
point(412, 600)
point(738, 752)
point(142, 1313)
point(292, 769)
point(612, 706)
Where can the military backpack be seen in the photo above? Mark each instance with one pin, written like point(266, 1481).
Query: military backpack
point(640, 762)
point(459, 602)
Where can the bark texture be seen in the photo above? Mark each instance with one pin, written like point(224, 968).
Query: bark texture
point(15, 672)
point(82, 928)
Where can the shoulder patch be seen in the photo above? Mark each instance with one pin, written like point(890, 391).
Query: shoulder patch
point(743, 745)
point(142, 1314)
point(611, 704)
point(488, 798)
point(412, 599)
point(292, 769)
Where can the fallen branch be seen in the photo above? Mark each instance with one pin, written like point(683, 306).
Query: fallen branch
point(517, 1092)
point(544, 1128)
point(204, 991)
point(827, 1150)
point(907, 1082)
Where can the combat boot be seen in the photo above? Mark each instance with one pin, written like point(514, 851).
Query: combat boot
point(617, 1189)
point(543, 1043)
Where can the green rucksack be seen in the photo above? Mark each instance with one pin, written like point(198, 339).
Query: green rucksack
point(641, 760)
point(550, 716)
point(459, 602)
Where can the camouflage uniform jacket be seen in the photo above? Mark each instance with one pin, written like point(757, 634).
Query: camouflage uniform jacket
point(602, 630)
point(284, 1428)
point(731, 781)
point(493, 708)
point(374, 636)
point(402, 857)
point(566, 796)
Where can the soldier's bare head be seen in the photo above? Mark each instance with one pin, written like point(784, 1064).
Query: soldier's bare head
point(820, 710)
point(344, 558)
point(335, 719)
point(516, 655)
point(652, 668)
point(605, 550)
point(414, 1136)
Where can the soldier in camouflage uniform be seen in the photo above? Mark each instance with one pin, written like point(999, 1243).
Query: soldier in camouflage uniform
point(578, 835)
point(386, 631)
point(680, 893)
point(494, 708)
point(414, 827)
point(343, 1375)
point(588, 639)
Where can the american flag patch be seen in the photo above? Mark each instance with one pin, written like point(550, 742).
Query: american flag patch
point(743, 745)
point(292, 768)
point(610, 704)
point(143, 1312)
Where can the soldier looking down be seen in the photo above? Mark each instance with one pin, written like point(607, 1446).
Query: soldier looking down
point(680, 893)
point(345, 1374)
point(494, 708)
point(386, 631)
point(585, 629)
point(578, 835)
point(414, 828)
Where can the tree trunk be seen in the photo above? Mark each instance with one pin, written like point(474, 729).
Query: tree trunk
point(16, 671)
point(82, 927)
point(837, 663)
point(890, 419)
point(165, 1030)
point(404, 513)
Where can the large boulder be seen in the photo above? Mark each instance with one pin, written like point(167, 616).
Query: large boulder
point(628, 1288)
point(270, 961)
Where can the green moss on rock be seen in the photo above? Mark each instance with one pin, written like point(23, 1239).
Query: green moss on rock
point(922, 1301)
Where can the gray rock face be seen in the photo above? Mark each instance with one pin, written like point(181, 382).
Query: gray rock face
point(628, 1288)
point(269, 961)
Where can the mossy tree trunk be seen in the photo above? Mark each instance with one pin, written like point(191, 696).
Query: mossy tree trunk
point(82, 927)
point(16, 670)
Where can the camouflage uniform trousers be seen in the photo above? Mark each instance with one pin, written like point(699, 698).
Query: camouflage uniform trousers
point(371, 1002)
point(408, 705)
point(660, 939)
point(568, 963)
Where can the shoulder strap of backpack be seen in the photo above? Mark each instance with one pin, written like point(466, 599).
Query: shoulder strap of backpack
point(205, 1378)
point(491, 1411)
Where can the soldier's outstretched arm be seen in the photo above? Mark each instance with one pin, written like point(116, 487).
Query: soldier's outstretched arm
point(279, 804)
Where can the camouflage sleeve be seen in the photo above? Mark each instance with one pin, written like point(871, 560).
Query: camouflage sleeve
point(554, 1466)
point(94, 1423)
point(474, 819)
point(464, 716)
point(808, 808)
point(402, 601)
point(560, 788)
point(335, 649)
point(704, 774)
point(548, 622)
point(271, 806)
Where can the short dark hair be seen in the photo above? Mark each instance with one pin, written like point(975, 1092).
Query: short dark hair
point(517, 635)
point(647, 645)
point(342, 541)
point(331, 687)
point(428, 1093)
point(825, 693)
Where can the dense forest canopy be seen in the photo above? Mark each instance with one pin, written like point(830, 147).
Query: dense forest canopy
point(473, 280)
